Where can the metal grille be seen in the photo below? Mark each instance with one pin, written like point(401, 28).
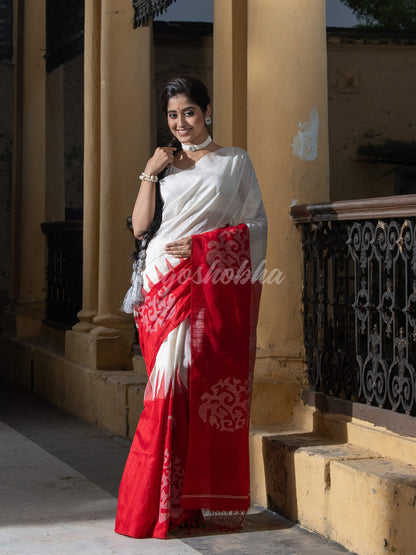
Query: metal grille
point(146, 9)
point(64, 31)
point(64, 272)
point(6, 31)
point(359, 303)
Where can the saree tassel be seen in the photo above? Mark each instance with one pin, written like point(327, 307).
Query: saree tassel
point(134, 295)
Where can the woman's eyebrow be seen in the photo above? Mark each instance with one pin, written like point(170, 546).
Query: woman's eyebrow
point(183, 110)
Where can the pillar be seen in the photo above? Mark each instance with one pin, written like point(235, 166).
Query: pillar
point(288, 143)
point(125, 147)
point(18, 46)
point(230, 73)
point(92, 140)
point(24, 317)
point(121, 139)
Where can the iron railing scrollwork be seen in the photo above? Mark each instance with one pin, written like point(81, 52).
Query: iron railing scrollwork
point(359, 302)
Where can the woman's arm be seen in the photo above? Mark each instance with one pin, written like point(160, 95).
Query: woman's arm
point(144, 207)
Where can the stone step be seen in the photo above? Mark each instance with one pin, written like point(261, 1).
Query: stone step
point(345, 492)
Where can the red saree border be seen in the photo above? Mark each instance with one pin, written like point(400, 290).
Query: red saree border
point(217, 466)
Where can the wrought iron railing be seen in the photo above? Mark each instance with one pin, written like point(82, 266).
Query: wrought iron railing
point(64, 272)
point(359, 299)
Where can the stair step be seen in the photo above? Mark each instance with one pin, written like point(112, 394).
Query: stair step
point(347, 493)
point(372, 504)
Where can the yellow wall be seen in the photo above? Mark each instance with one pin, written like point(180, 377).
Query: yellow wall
point(179, 50)
point(378, 105)
point(286, 89)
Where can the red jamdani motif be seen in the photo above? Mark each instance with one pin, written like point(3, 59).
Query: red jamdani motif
point(190, 450)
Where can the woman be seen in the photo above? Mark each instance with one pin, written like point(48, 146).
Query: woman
point(196, 324)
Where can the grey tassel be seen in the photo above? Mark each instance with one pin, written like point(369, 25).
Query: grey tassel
point(134, 295)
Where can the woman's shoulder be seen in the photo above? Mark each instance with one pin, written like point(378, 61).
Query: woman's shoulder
point(234, 152)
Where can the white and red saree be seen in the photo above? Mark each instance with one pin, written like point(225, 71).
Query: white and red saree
point(196, 328)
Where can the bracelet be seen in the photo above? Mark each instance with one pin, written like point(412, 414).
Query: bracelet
point(146, 177)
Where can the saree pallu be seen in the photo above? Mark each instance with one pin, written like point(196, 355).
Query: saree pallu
point(197, 334)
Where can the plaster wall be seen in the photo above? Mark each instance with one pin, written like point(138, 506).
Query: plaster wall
point(376, 104)
point(178, 50)
point(287, 140)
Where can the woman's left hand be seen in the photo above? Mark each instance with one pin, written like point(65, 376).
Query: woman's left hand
point(181, 248)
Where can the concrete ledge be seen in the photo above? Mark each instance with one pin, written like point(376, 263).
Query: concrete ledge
point(273, 402)
point(135, 400)
point(395, 422)
point(101, 352)
point(101, 397)
point(372, 506)
point(388, 433)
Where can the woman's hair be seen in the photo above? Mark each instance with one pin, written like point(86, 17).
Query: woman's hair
point(191, 87)
point(196, 91)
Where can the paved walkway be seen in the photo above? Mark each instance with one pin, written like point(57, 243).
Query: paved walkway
point(58, 486)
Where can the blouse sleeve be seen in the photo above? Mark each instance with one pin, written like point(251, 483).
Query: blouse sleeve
point(252, 214)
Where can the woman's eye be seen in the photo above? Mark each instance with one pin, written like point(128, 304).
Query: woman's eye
point(172, 116)
point(189, 114)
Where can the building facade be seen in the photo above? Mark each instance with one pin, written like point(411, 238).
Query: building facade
point(270, 97)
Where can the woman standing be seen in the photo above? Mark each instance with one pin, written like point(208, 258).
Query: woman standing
point(203, 231)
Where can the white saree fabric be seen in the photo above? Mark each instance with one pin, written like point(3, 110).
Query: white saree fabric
point(220, 189)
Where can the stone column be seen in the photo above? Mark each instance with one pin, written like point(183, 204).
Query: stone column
point(230, 73)
point(125, 145)
point(288, 142)
point(29, 190)
point(92, 140)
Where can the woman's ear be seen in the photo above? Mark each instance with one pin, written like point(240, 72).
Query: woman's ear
point(208, 111)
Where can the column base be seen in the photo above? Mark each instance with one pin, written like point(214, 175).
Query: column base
point(86, 316)
point(139, 368)
point(101, 348)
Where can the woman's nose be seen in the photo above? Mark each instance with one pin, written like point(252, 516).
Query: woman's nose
point(181, 120)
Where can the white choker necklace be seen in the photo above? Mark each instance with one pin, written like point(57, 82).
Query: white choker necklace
point(192, 148)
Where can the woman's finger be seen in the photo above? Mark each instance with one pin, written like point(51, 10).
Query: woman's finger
point(181, 248)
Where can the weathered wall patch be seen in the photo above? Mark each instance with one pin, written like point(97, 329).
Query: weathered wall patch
point(305, 143)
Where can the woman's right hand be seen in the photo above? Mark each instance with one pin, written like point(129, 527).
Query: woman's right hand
point(161, 159)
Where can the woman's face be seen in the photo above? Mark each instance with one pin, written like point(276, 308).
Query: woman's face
point(186, 120)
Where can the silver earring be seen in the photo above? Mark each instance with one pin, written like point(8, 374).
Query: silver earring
point(208, 120)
